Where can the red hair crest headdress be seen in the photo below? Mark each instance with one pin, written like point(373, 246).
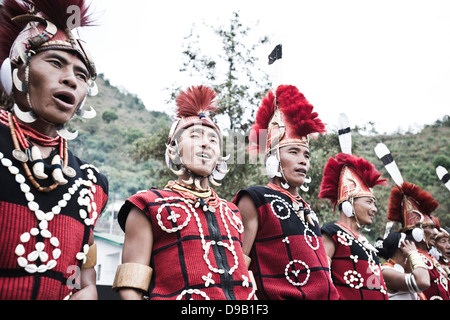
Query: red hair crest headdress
point(194, 104)
point(347, 177)
point(193, 107)
point(283, 118)
point(408, 203)
point(411, 206)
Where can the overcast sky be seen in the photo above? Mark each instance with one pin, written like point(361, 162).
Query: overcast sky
point(386, 61)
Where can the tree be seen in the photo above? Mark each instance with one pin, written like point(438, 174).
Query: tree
point(233, 72)
point(109, 116)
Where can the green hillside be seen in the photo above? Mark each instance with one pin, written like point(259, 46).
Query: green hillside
point(106, 141)
point(417, 156)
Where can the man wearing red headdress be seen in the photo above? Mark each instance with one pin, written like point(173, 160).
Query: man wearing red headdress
point(412, 207)
point(183, 241)
point(281, 232)
point(49, 199)
point(347, 182)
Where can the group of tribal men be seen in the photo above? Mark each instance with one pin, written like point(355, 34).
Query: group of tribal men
point(183, 241)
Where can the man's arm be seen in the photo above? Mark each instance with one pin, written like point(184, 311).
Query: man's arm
point(249, 216)
point(137, 247)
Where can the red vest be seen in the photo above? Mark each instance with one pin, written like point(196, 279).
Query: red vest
point(355, 270)
point(196, 252)
point(439, 286)
point(41, 252)
point(288, 256)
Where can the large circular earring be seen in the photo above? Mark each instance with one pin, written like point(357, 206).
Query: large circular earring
point(418, 234)
point(6, 79)
point(347, 209)
point(272, 167)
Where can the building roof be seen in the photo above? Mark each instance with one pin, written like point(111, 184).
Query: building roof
point(111, 238)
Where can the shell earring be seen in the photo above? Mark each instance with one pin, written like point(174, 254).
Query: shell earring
point(27, 117)
point(93, 89)
point(19, 84)
point(86, 113)
point(65, 134)
point(285, 185)
point(221, 169)
point(306, 188)
point(6, 76)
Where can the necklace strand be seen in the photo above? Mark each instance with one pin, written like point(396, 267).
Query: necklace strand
point(16, 142)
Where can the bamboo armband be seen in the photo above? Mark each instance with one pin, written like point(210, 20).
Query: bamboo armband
point(416, 260)
point(132, 275)
point(91, 257)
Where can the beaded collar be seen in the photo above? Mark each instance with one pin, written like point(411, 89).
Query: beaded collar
point(296, 199)
point(24, 151)
point(195, 194)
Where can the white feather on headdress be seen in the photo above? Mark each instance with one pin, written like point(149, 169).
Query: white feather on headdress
point(345, 134)
point(385, 156)
point(443, 176)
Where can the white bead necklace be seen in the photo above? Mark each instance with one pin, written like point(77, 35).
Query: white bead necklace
point(189, 207)
point(85, 199)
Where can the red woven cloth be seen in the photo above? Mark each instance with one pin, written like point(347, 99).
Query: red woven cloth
point(288, 256)
point(68, 227)
point(184, 266)
point(352, 275)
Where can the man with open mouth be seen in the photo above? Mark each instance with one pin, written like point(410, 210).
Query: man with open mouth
point(50, 200)
point(281, 232)
point(183, 242)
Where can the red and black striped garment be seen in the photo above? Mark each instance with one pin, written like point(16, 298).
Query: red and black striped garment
point(39, 248)
point(196, 253)
point(355, 269)
point(439, 282)
point(288, 256)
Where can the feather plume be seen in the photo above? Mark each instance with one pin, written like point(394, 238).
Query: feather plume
point(298, 111)
point(9, 30)
point(332, 172)
point(258, 133)
point(384, 155)
point(443, 176)
point(345, 134)
point(196, 100)
point(425, 202)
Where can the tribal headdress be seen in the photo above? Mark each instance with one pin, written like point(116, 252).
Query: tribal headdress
point(346, 176)
point(194, 106)
point(408, 203)
point(283, 118)
point(28, 27)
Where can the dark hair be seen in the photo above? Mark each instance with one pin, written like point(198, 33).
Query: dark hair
point(389, 246)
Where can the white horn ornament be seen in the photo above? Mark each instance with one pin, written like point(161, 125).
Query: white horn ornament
point(57, 173)
point(38, 167)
